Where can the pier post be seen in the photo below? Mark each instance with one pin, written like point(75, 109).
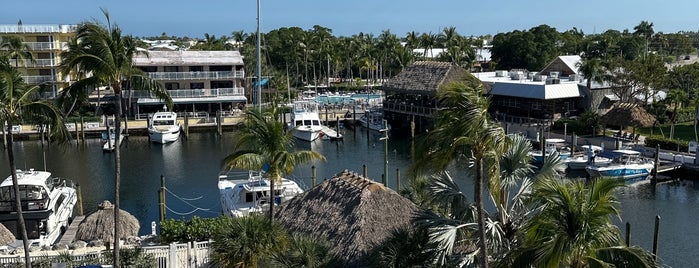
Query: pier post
point(219, 130)
point(80, 200)
point(162, 198)
point(397, 179)
point(573, 141)
point(337, 127)
point(628, 233)
point(313, 176)
point(364, 171)
point(77, 132)
point(327, 122)
point(109, 140)
point(655, 237)
point(82, 128)
point(654, 178)
point(186, 125)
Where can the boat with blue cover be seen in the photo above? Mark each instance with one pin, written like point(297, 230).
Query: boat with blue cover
point(626, 164)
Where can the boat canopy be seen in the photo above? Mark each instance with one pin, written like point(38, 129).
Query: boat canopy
point(617, 153)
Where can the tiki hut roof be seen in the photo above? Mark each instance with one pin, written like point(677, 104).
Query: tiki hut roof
point(352, 213)
point(628, 114)
point(6, 237)
point(426, 77)
point(100, 224)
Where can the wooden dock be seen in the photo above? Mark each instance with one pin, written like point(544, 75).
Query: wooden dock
point(331, 133)
point(69, 235)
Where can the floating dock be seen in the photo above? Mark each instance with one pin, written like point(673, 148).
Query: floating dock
point(331, 134)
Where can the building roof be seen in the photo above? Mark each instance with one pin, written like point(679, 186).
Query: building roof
point(527, 88)
point(565, 65)
point(351, 212)
point(188, 57)
point(425, 76)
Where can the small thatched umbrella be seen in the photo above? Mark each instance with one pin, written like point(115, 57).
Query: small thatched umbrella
point(100, 224)
point(6, 237)
point(628, 114)
point(352, 213)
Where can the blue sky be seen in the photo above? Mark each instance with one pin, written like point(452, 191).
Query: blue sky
point(217, 17)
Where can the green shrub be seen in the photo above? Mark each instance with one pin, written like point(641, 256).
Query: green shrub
point(195, 229)
point(666, 143)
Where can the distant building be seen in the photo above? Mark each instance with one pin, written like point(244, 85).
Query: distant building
point(46, 42)
point(196, 80)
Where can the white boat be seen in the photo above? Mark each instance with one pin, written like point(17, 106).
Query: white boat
point(305, 121)
point(111, 140)
point(579, 161)
point(47, 206)
point(243, 193)
point(552, 145)
point(373, 120)
point(626, 164)
point(163, 127)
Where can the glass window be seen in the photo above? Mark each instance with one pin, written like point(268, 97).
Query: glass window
point(306, 122)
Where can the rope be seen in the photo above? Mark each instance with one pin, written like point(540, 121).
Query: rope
point(188, 213)
point(182, 198)
point(196, 208)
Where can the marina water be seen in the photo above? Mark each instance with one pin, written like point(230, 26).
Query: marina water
point(191, 166)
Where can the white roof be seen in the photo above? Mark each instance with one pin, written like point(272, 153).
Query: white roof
point(188, 57)
point(572, 62)
point(627, 152)
point(29, 177)
point(526, 88)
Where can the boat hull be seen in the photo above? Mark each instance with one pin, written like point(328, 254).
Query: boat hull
point(620, 172)
point(306, 133)
point(163, 137)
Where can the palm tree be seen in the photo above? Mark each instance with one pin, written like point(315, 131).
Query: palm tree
point(245, 241)
point(573, 228)
point(464, 131)
point(107, 56)
point(18, 101)
point(13, 48)
point(264, 144)
point(593, 70)
point(307, 252)
point(677, 97)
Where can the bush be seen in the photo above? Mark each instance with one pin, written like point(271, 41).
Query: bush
point(666, 143)
point(195, 229)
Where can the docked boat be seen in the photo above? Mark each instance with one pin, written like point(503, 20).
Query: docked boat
point(579, 161)
point(305, 121)
point(243, 193)
point(163, 127)
point(111, 140)
point(552, 145)
point(626, 164)
point(373, 120)
point(47, 205)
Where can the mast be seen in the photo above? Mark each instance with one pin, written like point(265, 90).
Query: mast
point(258, 71)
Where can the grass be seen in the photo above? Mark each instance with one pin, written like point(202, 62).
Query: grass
point(683, 131)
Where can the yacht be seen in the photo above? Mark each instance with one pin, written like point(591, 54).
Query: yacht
point(163, 127)
point(111, 140)
point(626, 164)
point(580, 160)
point(373, 120)
point(305, 121)
point(47, 206)
point(243, 193)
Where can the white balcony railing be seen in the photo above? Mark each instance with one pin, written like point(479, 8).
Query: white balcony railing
point(196, 75)
point(35, 63)
point(63, 28)
point(38, 79)
point(46, 45)
point(189, 93)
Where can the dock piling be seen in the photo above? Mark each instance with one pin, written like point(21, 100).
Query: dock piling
point(654, 177)
point(364, 170)
point(313, 176)
point(655, 237)
point(162, 198)
point(186, 125)
point(628, 233)
point(80, 200)
point(397, 179)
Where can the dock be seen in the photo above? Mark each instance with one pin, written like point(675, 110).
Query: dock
point(69, 235)
point(331, 133)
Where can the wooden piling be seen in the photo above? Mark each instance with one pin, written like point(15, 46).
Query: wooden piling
point(654, 177)
point(82, 128)
point(364, 170)
point(186, 125)
point(219, 130)
point(162, 198)
point(313, 176)
point(397, 179)
point(655, 237)
point(80, 200)
point(628, 233)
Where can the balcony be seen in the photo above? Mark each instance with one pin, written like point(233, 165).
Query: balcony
point(38, 79)
point(61, 28)
point(190, 93)
point(196, 75)
point(35, 64)
point(39, 46)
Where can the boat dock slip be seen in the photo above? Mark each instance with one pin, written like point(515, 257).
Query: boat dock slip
point(331, 133)
point(69, 235)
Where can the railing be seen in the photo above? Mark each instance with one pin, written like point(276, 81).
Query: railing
point(196, 75)
point(46, 45)
point(64, 28)
point(184, 255)
point(38, 79)
point(408, 109)
point(189, 93)
point(35, 63)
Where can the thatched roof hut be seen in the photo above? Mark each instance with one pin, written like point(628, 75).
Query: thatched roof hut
point(628, 114)
point(100, 224)
point(353, 213)
point(6, 237)
point(425, 77)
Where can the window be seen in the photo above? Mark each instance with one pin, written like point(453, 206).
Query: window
point(196, 85)
point(196, 68)
point(172, 86)
point(171, 69)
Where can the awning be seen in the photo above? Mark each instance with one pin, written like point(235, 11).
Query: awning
point(611, 97)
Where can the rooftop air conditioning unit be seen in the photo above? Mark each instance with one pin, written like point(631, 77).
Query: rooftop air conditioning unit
point(539, 77)
point(519, 75)
point(554, 74)
point(573, 77)
point(553, 81)
point(500, 73)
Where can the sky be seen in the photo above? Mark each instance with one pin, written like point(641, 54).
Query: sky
point(194, 18)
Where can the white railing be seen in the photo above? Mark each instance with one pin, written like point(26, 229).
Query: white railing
point(38, 79)
point(46, 45)
point(65, 28)
point(196, 75)
point(189, 93)
point(182, 255)
point(37, 63)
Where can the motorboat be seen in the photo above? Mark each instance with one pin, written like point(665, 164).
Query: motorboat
point(111, 140)
point(626, 164)
point(163, 127)
point(305, 121)
point(580, 160)
point(373, 120)
point(243, 193)
point(552, 145)
point(47, 205)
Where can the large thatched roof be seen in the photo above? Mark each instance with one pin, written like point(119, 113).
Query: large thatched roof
point(6, 237)
point(425, 77)
point(353, 213)
point(628, 114)
point(100, 224)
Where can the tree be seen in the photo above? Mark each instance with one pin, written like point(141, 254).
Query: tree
point(306, 252)
point(245, 241)
point(465, 131)
point(591, 68)
point(18, 101)
point(264, 144)
point(14, 48)
point(106, 55)
point(573, 228)
point(644, 29)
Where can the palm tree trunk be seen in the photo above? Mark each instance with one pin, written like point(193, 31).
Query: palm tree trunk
point(18, 200)
point(117, 176)
point(271, 199)
point(478, 195)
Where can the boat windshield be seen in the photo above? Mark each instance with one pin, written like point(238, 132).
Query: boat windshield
point(33, 197)
point(163, 122)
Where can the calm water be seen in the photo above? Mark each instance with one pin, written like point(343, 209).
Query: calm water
point(191, 167)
